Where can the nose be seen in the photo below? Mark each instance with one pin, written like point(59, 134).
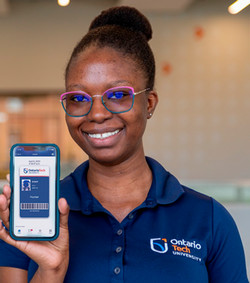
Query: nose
point(98, 113)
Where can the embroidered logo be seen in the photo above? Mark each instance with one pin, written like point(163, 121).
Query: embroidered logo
point(159, 245)
point(177, 247)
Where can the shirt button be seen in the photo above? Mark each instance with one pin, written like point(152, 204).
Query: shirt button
point(131, 216)
point(117, 270)
point(118, 249)
point(119, 232)
point(149, 202)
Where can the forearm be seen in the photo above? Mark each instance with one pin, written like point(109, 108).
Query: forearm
point(13, 275)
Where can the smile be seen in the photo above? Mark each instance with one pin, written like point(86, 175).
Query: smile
point(103, 135)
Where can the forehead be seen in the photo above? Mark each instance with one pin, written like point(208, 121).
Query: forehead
point(103, 64)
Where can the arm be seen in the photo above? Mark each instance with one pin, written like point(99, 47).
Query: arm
point(13, 275)
point(226, 260)
point(51, 257)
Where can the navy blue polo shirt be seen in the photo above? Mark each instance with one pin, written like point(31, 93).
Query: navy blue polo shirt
point(175, 235)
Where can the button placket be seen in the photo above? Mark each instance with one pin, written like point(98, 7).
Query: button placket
point(117, 256)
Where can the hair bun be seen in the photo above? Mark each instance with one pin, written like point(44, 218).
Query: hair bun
point(126, 17)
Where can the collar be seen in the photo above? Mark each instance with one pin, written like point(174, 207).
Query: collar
point(165, 189)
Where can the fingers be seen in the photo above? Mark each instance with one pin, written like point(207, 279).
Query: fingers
point(64, 212)
point(4, 205)
point(7, 192)
point(4, 209)
point(4, 235)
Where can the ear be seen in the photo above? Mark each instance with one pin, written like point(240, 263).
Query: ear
point(152, 100)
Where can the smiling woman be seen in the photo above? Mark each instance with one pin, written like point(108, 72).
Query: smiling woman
point(129, 219)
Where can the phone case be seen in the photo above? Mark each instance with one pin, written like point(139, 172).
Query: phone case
point(25, 186)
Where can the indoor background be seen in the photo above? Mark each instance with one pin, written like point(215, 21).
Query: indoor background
point(200, 129)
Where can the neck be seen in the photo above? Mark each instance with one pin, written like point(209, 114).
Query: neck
point(120, 188)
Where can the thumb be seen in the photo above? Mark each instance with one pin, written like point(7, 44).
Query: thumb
point(64, 212)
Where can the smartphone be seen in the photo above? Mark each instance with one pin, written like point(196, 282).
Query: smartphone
point(34, 181)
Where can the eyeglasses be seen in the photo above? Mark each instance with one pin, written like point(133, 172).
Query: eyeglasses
point(115, 100)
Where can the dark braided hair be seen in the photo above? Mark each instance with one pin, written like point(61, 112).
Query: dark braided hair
point(127, 31)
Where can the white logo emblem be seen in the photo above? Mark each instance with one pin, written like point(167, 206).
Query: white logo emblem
point(159, 245)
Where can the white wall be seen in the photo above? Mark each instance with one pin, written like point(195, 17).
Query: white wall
point(201, 129)
point(36, 39)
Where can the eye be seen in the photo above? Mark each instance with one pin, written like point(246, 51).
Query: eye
point(78, 97)
point(118, 94)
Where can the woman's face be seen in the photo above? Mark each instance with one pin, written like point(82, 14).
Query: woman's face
point(94, 71)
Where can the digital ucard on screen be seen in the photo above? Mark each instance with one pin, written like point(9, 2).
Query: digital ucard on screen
point(34, 191)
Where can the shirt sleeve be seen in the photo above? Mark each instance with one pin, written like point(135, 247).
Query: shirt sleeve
point(12, 257)
point(226, 260)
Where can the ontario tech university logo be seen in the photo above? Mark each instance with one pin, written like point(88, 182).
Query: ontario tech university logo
point(182, 247)
point(159, 245)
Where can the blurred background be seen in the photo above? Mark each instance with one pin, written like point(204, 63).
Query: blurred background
point(200, 130)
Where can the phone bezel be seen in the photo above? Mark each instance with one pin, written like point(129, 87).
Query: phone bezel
point(11, 230)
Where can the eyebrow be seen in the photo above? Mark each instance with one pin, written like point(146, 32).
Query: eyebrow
point(110, 85)
point(79, 86)
point(120, 82)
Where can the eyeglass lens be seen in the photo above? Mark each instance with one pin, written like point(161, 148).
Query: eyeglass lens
point(115, 100)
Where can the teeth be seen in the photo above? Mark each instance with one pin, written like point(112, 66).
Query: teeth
point(104, 135)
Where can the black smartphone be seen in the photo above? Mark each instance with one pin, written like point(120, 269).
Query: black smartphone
point(34, 182)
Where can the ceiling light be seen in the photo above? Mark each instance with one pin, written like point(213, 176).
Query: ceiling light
point(237, 6)
point(63, 3)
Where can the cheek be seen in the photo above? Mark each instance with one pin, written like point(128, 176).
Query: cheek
point(139, 119)
point(73, 125)
point(140, 109)
point(68, 122)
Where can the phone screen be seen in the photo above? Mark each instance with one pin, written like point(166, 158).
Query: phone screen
point(34, 195)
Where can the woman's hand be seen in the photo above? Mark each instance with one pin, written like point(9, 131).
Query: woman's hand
point(52, 257)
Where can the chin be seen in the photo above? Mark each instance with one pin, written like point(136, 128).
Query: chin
point(107, 160)
point(109, 157)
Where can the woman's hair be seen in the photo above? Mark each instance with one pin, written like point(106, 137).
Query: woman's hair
point(125, 30)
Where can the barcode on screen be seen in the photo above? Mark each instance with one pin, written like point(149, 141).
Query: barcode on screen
point(40, 206)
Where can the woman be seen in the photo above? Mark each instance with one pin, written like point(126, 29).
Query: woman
point(129, 219)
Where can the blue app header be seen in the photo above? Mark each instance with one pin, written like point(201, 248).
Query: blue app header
point(35, 151)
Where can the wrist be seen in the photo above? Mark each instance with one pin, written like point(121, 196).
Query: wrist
point(50, 275)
